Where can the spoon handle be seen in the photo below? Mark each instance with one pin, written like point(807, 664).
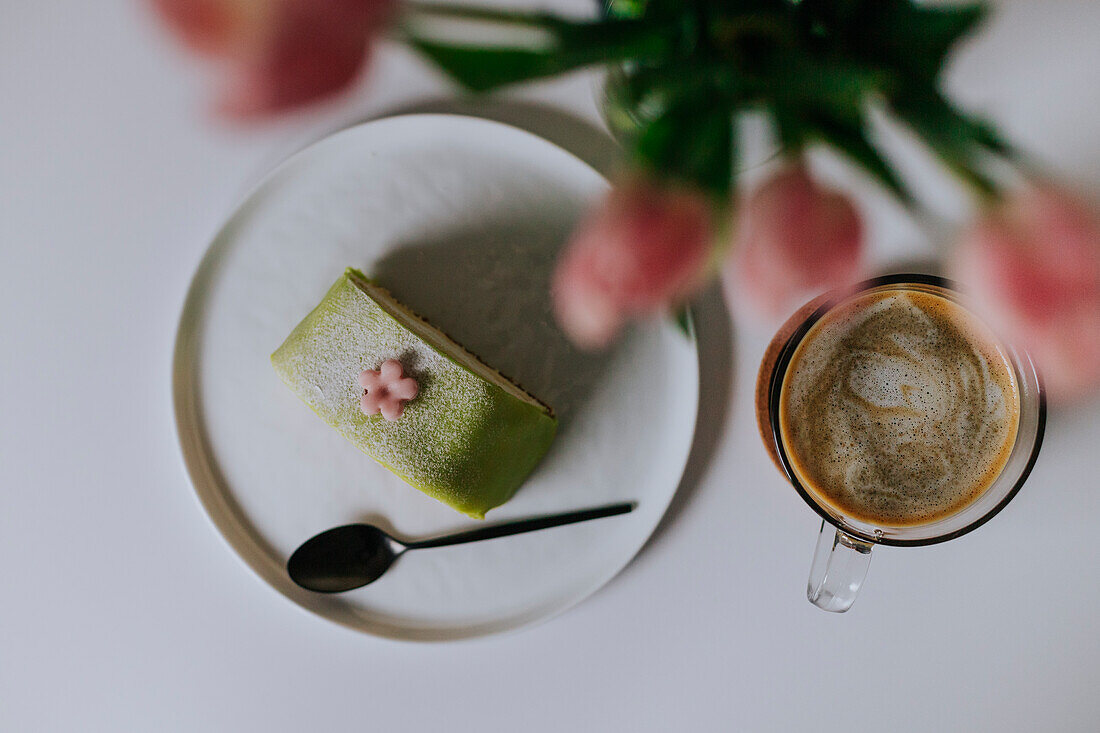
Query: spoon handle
point(524, 525)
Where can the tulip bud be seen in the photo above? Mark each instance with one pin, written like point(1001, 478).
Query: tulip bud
point(641, 251)
point(278, 54)
point(795, 239)
point(1032, 268)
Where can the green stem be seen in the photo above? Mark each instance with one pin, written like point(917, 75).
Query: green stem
point(728, 31)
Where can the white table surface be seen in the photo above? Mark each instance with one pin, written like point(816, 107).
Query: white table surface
point(122, 609)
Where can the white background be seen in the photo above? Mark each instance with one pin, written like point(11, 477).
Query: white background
point(122, 609)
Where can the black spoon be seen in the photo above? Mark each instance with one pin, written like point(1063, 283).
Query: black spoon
point(351, 556)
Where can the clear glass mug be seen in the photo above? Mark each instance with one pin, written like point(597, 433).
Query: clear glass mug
point(844, 544)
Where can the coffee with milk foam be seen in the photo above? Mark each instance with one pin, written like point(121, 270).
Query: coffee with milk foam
point(898, 408)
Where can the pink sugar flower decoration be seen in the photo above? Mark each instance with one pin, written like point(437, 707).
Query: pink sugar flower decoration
point(386, 390)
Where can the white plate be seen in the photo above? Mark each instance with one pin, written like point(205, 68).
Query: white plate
point(461, 218)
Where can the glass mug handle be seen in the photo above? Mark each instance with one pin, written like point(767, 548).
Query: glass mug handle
point(839, 567)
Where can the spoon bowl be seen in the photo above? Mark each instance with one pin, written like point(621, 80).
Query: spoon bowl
point(343, 558)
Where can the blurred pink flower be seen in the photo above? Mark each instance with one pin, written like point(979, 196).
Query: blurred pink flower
point(278, 54)
point(643, 250)
point(1032, 267)
point(794, 240)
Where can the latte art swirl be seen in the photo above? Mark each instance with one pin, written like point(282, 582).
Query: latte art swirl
point(899, 408)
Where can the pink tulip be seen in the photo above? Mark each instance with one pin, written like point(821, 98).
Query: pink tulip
point(1032, 267)
point(278, 54)
point(795, 239)
point(643, 250)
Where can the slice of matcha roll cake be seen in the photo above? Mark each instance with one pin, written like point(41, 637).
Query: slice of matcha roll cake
point(446, 423)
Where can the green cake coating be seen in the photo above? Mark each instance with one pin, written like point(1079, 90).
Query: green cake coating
point(469, 438)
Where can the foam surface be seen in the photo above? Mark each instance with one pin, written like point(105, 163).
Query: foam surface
point(899, 408)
